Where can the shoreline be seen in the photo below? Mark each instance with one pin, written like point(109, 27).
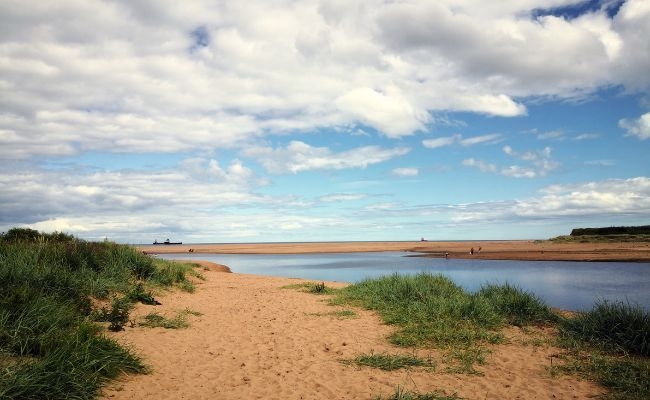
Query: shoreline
point(518, 250)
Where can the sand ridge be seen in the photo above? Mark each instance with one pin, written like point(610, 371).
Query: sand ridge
point(495, 250)
point(258, 340)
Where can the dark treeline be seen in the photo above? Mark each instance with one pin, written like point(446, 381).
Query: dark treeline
point(612, 230)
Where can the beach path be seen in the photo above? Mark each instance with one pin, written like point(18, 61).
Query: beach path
point(255, 339)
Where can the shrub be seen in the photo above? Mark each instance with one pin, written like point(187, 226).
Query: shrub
point(117, 315)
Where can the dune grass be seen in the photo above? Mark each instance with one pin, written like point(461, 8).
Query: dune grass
point(155, 320)
point(391, 362)
point(402, 394)
point(608, 344)
point(613, 326)
point(50, 345)
point(432, 311)
point(611, 345)
point(312, 287)
point(338, 314)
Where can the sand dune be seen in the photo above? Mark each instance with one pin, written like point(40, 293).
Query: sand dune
point(257, 340)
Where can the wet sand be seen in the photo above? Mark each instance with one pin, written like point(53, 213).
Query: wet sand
point(491, 250)
point(255, 339)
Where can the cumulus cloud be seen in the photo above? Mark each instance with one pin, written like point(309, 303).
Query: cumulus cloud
point(481, 165)
point(134, 76)
point(388, 112)
point(617, 199)
point(299, 156)
point(537, 163)
point(212, 77)
point(201, 168)
point(639, 127)
point(613, 196)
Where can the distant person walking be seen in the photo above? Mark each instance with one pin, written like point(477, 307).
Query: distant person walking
point(471, 251)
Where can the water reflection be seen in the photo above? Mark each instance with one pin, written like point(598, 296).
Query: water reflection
point(567, 285)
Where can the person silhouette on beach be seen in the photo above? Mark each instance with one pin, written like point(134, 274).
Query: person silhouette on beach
point(471, 251)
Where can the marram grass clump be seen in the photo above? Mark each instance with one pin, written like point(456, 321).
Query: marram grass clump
point(50, 346)
point(616, 326)
point(391, 362)
point(403, 394)
point(432, 311)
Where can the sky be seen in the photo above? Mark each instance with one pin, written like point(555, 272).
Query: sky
point(323, 120)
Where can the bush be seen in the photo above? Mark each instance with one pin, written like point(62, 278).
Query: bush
point(117, 314)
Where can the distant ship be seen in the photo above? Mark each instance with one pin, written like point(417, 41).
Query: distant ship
point(167, 241)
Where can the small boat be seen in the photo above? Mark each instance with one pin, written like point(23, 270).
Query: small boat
point(167, 241)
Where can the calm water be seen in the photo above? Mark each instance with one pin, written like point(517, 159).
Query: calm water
point(567, 285)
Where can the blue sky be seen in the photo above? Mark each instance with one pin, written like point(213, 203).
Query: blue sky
point(224, 121)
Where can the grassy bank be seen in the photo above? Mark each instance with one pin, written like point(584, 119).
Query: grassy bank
point(609, 344)
point(432, 311)
point(51, 340)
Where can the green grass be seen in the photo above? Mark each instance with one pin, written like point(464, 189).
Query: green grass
point(402, 394)
point(432, 311)
point(169, 273)
point(390, 362)
point(617, 326)
point(608, 344)
point(518, 307)
point(155, 320)
point(626, 377)
point(50, 348)
point(339, 314)
point(312, 287)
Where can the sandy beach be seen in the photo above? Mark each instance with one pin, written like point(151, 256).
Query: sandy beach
point(495, 250)
point(256, 339)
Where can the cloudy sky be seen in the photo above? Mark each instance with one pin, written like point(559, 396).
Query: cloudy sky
point(278, 120)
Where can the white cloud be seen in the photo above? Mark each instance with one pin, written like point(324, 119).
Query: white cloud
point(405, 172)
point(617, 199)
point(516, 171)
point(299, 156)
point(481, 165)
point(557, 135)
point(538, 163)
point(587, 136)
point(441, 141)
point(387, 112)
point(491, 138)
point(201, 168)
point(639, 127)
point(601, 163)
point(340, 197)
point(614, 196)
point(136, 76)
